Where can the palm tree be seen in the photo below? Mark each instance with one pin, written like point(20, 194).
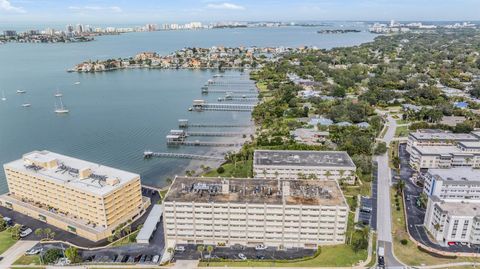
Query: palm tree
point(400, 186)
point(201, 248)
point(328, 174)
point(170, 251)
point(210, 249)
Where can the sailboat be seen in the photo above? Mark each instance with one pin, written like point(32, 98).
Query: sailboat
point(21, 91)
point(25, 104)
point(58, 94)
point(3, 96)
point(62, 109)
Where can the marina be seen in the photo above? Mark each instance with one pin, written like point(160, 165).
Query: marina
point(183, 123)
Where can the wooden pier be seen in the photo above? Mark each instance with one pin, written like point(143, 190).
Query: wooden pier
point(201, 105)
point(150, 154)
point(203, 143)
point(183, 123)
point(215, 134)
point(238, 99)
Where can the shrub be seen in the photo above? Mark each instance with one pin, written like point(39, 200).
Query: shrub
point(398, 208)
point(220, 170)
point(404, 241)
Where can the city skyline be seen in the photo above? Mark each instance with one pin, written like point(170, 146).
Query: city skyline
point(107, 11)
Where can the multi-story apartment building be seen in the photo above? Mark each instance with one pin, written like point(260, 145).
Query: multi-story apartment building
point(460, 154)
point(81, 197)
point(453, 183)
point(276, 213)
point(434, 137)
point(293, 164)
point(453, 220)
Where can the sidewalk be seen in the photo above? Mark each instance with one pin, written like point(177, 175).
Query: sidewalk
point(15, 252)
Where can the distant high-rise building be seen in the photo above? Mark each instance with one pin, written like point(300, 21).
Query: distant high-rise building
point(69, 29)
point(9, 33)
point(79, 28)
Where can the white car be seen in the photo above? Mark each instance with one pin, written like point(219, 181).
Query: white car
point(156, 259)
point(260, 247)
point(242, 256)
point(180, 248)
point(25, 233)
point(34, 251)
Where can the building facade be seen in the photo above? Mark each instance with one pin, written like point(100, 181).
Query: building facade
point(81, 197)
point(453, 183)
point(292, 164)
point(276, 213)
point(453, 220)
point(434, 137)
point(461, 154)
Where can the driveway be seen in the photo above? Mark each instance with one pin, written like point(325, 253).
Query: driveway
point(15, 252)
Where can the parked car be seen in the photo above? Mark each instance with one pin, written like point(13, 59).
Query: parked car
point(8, 221)
point(381, 262)
point(180, 248)
point(260, 247)
point(156, 259)
point(25, 233)
point(34, 251)
point(451, 243)
point(260, 257)
point(242, 256)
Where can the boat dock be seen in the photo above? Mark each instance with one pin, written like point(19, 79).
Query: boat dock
point(202, 105)
point(238, 99)
point(183, 123)
point(215, 134)
point(150, 154)
point(203, 143)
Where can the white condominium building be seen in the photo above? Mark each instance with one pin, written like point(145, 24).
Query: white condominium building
point(453, 220)
point(84, 198)
point(453, 183)
point(434, 137)
point(460, 154)
point(276, 213)
point(293, 164)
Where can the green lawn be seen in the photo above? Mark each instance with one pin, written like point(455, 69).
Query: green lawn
point(28, 260)
point(335, 256)
point(126, 240)
point(6, 241)
point(241, 169)
point(401, 131)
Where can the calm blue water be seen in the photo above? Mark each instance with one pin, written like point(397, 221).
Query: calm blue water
point(115, 116)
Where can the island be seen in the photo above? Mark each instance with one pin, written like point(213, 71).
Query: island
point(338, 31)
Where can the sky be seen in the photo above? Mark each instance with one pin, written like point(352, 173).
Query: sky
point(160, 11)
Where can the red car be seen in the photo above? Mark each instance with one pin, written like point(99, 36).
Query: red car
point(451, 243)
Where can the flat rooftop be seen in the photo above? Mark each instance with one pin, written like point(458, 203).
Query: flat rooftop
point(302, 158)
point(470, 144)
point(100, 179)
point(255, 191)
point(427, 134)
point(463, 174)
point(461, 208)
point(440, 150)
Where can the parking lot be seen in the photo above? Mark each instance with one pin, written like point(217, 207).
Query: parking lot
point(232, 253)
point(416, 215)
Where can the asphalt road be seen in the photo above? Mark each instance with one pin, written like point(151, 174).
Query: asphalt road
point(384, 216)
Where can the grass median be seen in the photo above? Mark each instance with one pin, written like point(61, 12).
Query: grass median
point(6, 241)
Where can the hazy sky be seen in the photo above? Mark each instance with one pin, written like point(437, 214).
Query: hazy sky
point(158, 11)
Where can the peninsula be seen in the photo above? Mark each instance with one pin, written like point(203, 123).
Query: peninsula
point(192, 58)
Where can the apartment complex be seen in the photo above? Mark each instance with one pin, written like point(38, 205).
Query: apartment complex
point(293, 164)
point(453, 208)
point(434, 137)
point(453, 183)
point(81, 197)
point(276, 213)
